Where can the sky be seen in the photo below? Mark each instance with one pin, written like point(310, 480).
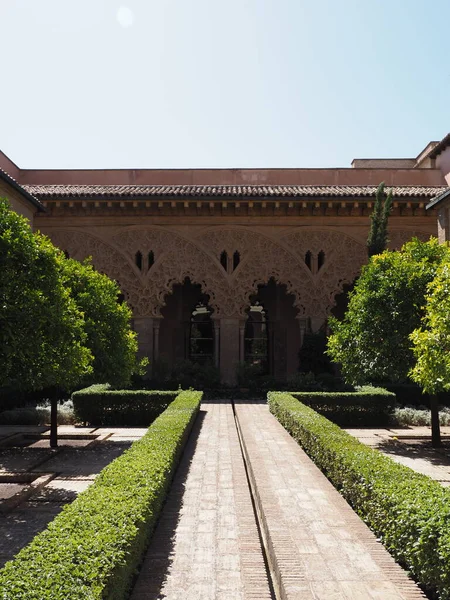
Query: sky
point(214, 83)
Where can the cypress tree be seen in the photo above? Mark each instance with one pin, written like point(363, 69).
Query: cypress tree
point(377, 239)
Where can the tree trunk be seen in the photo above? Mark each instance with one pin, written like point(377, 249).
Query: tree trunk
point(435, 427)
point(54, 420)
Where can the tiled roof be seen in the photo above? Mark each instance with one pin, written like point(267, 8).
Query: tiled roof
point(21, 189)
point(47, 192)
point(445, 194)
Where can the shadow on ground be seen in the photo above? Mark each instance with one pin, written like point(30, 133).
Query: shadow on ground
point(161, 547)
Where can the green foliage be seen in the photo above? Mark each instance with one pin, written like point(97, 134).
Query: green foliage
point(408, 511)
point(372, 341)
point(362, 407)
point(92, 549)
point(41, 328)
point(432, 340)
point(252, 377)
point(106, 322)
point(101, 405)
point(38, 415)
point(406, 416)
point(377, 240)
point(312, 355)
point(185, 374)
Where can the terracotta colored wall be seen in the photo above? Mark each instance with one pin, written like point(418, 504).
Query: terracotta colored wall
point(427, 177)
point(443, 162)
point(17, 202)
point(9, 167)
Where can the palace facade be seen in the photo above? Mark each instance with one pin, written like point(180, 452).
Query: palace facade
point(229, 265)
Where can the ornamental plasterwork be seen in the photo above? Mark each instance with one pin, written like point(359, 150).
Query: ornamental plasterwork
point(105, 259)
point(261, 258)
point(343, 259)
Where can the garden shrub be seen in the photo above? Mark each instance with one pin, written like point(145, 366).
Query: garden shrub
point(102, 405)
point(92, 549)
point(405, 416)
point(364, 406)
point(408, 511)
point(38, 415)
point(183, 373)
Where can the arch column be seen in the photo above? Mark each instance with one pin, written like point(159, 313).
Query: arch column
point(156, 326)
point(229, 348)
point(216, 325)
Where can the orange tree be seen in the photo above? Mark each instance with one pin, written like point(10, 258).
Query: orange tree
point(372, 342)
point(41, 328)
point(109, 337)
point(431, 341)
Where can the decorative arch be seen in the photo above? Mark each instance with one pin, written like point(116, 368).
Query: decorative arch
point(341, 257)
point(105, 258)
point(175, 258)
point(260, 259)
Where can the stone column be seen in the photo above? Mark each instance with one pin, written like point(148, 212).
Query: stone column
point(241, 341)
point(156, 324)
point(303, 326)
point(229, 349)
point(144, 329)
point(216, 325)
point(316, 323)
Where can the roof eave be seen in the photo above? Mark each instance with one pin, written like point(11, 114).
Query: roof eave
point(438, 199)
point(13, 183)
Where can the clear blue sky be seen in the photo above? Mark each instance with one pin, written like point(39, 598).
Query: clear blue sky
point(215, 83)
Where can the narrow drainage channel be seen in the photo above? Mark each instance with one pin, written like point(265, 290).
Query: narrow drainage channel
point(262, 538)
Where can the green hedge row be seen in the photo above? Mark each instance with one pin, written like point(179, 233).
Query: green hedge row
point(102, 405)
point(408, 511)
point(92, 548)
point(365, 406)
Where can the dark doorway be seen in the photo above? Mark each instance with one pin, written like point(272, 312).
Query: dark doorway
point(272, 332)
point(186, 330)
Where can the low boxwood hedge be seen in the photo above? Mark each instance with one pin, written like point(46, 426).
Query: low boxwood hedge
point(364, 406)
point(103, 405)
point(92, 548)
point(408, 511)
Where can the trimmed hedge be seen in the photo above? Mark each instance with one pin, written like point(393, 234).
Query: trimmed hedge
point(92, 548)
point(102, 405)
point(408, 511)
point(364, 406)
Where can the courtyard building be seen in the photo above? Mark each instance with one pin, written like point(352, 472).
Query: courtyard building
point(225, 266)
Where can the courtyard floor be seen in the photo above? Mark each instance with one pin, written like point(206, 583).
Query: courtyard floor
point(248, 516)
point(411, 446)
point(37, 481)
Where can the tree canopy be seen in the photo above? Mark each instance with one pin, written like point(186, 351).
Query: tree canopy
point(106, 322)
point(431, 341)
point(61, 324)
point(372, 341)
point(42, 332)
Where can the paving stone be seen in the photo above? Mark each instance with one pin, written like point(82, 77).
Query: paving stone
point(412, 451)
point(206, 545)
point(7, 490)
point(318, 547)
point(24, 459)
point(85, 462)
point(19, 527)
point(62, 490)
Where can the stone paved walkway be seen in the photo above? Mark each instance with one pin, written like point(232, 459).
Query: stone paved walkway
point(207, 547)
point(410, 446)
